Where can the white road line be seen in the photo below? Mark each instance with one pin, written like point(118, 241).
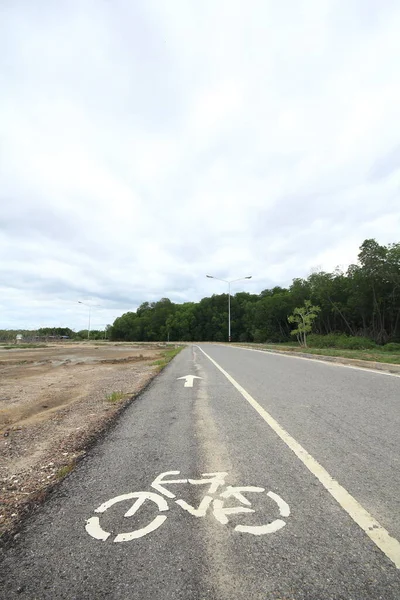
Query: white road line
point(378, 534)
point(317, 360)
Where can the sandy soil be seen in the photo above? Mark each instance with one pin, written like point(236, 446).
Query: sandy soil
point(53, 403)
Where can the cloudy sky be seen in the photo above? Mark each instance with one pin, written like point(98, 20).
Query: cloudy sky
point(145, 143)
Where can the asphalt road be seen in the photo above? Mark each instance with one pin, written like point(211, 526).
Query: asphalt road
point(317, 447)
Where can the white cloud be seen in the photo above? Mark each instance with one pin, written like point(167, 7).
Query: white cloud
point(145, 144)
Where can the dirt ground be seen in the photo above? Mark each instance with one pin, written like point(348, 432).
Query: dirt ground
point(53, 402)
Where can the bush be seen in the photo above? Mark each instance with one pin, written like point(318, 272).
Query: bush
point(392, 347)
point(357, 343)
point(277, 338)
point(323, 341)
point(344, 342)
point(259, 336)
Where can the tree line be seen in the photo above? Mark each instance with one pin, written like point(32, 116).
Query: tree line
point(47, 333)
point(363, 301)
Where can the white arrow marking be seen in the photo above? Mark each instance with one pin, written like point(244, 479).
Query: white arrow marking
point(189, 380)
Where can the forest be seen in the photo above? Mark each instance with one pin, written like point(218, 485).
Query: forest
point(362, 302)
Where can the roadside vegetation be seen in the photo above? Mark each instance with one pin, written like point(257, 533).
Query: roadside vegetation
point(115, 396)
point(304, 318)
point(166, 358)
point(390, 353)
point(363, 301)
point(65, 470)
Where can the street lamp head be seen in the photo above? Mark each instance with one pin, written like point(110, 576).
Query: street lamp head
point(210, 276)
point(249, 277)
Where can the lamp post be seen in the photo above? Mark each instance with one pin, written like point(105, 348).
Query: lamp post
point(229, 297)
point(90, 309)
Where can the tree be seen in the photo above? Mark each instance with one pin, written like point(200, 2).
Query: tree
point(364, 301)
point(304, 317)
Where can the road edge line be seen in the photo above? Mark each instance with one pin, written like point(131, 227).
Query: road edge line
point(389, 545)
point(317, 360)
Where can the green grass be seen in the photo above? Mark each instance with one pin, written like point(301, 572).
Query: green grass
point(65, 470)
point(371, 355)
point(374, 355)
point(115, 396)
point(166, 357)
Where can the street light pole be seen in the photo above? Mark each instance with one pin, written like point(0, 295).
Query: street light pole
point(90, 308)
point(229, 297)
point(229, 311)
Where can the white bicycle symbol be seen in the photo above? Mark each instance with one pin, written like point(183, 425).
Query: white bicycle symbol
point(220, 512)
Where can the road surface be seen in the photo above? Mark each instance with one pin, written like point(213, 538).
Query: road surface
point(264, 477)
